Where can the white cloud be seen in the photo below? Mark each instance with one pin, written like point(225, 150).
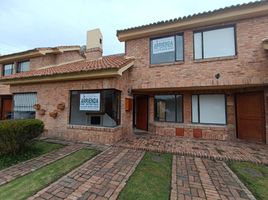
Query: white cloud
point(34, 23)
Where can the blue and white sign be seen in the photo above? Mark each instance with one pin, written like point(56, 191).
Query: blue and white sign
point(163, 45)
point(90, 102)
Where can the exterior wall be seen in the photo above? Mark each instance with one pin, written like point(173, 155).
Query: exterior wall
point(49, 95)
point(54, 59)
point(248, 67)
point(4, 90)
point(187, 129)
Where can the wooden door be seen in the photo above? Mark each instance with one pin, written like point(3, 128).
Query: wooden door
point(142, 112)
point(250, 116)
point(6, 108)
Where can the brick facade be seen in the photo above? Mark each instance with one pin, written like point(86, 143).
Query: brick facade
point(244, 72)
point(54, 59)
point(49, 95)
point(248, 68)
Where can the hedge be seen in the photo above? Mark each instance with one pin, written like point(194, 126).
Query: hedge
point(16, 134)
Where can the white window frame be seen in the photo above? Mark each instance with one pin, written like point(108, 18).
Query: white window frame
point(197, 112)
point(201, 32)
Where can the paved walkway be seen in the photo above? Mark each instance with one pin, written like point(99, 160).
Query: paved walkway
point(21, 169)
point(221, 150)
point(196, 178)
point(102, 177)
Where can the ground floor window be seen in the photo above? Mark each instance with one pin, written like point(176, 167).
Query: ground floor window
point(168, 108)
point(209, 109)
point(23, 105)
point(95, 108)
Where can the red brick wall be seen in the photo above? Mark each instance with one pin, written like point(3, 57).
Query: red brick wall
point(4, 89)
point(248, 67)
point(217, 132)
point(50, 94)
point(54, 59)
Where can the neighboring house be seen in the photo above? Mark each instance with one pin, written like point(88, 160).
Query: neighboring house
point(202, 76)
point(27, 61)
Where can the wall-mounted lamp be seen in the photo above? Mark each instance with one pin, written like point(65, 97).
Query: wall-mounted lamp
point(217, 76)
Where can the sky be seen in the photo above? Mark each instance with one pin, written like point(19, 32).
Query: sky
point(27, 24)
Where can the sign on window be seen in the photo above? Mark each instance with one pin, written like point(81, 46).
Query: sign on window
point(90, 102)
point(163, 45)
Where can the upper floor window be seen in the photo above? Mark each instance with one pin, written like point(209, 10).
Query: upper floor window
point(23, 66)
point(215, 43)
point(167, 49)
point(7, 69)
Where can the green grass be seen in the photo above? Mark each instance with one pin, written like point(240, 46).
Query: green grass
point(36, 149)
point(28, 185)
point(256, 184)
point(151, 180)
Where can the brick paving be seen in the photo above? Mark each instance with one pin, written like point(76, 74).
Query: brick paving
point(197, 178)
point(221, 150)
point(23, 168)
point(102, 177)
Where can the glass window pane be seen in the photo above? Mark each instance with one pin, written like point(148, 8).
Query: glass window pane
point(23, 66)
point(23, 105)
point(195, 108)
point(179, 47)
point(165, 108)
point(212, 109)
point(179, 108)
point(8, 69)
point(197, 45)
point(163, 50)
point(107, 114)
point(220, 42)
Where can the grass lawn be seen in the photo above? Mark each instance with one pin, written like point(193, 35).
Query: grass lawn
point(28, 185)
point(38, 148)
point(151, 180)
point(254, 176)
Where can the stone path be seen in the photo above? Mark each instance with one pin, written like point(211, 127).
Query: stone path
point(21, 169)
point(221, 150)
point(196, 178)
point(102, 177)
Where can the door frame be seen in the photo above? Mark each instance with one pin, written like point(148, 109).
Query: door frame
point(135, 96)
point(236, 114)
point(6, 97)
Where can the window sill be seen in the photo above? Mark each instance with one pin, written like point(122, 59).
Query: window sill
point(166, 64)
point(94, 128)
point(190, 125)
point(215, 59)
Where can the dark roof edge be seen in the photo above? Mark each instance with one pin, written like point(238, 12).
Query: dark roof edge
point(206, 13)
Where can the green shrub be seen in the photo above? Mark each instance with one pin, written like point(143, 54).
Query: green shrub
point(16, 134)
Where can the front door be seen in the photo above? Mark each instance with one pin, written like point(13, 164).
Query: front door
point(141, 112)
point(250, 117)
point(6, 108)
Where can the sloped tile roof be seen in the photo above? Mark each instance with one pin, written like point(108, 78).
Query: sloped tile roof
point(65, 48)
point(106, 62)
point(181, 19)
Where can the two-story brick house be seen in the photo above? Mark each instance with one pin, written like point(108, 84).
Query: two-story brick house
point(31, 60)
point(202, 76)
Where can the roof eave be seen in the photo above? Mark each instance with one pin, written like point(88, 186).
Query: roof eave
point(96, 74)
point(35, 53)
point(28, 55)
point(195, 22)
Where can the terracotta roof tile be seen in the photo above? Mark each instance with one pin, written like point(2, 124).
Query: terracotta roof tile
point(106, 62)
